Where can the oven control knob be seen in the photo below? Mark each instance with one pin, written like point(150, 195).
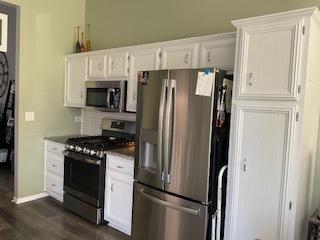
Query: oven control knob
point(93, 152)
point(67, 146)
point(71, 147)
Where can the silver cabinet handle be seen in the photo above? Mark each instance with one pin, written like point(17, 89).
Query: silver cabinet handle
point(134, 96)
point(245, 168)
point(53, 185)
point(187, 58)
point(169, 205)
point(250, 79)
point(100, 66)
point(209, 56)
point(54, 149)
point(112, 187)
point(120, 167)
point(53, 165)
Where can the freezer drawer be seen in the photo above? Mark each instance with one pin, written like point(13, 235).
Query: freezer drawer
point(160, 216)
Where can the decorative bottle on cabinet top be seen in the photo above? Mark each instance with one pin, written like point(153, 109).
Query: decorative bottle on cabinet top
point(88, 43)
point(78, 46)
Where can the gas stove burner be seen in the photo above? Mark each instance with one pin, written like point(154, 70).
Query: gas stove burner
point(97, 145)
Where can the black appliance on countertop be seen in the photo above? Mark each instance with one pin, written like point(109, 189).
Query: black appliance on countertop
point(85, 164)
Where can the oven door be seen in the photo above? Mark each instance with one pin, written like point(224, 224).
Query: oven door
point(83, 177)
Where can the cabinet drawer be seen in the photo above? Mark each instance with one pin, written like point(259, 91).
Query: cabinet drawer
point(55, 147)
point(55, 163)
point(98, 66)
point(54, 183)
point(120, 164)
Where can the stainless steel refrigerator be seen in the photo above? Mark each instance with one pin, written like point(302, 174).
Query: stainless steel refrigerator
point(179, 154)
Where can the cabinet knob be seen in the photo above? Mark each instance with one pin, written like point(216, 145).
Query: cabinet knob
point(187, 58)
point(209, 56)
point(250, 79)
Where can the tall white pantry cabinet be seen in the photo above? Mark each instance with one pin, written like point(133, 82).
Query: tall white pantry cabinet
point(274, 129)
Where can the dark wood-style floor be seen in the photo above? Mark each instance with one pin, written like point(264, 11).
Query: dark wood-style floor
point(44, 219)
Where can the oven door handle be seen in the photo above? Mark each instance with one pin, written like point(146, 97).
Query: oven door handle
point(81, 158)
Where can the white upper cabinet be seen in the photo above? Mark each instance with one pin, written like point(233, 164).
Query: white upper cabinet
point(180, 56)
point(97, 66)
point(118, 64)
point(140, 60)
point(218, 53)
point(76, 69)
point(4, 32)
point(269, 60)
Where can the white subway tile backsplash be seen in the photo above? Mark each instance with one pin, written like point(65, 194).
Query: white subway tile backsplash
point(91, 120)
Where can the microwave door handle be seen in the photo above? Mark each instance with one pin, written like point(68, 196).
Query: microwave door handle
point(108, 98)
point(160, 126)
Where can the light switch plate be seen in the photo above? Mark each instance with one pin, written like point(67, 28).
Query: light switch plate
point(77, 118)
point(29, 116)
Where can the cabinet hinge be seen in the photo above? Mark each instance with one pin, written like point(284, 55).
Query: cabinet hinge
point(290, 205)
point(128, 57)
point(128, 70)
point(304, 30)
point(297, 116)
point(160, 54)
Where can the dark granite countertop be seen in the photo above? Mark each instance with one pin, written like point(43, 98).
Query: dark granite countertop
point(127, 152)
point(61, 139)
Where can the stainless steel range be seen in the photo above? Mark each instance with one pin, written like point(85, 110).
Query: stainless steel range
point(84, 167)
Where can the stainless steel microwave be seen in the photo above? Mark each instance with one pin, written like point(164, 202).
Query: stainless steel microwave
point(106, 95)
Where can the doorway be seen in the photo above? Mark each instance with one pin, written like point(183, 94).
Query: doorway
point(8, 85)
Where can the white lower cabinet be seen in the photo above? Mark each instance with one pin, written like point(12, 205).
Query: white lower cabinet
point(54, 169)
point(119, 193)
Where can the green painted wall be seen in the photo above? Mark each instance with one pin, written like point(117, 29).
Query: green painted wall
point(46, 35)
point(127, 22)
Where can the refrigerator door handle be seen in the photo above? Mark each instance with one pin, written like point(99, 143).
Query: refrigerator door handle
point(170, 205)
point(160, 126)
point(170, 125)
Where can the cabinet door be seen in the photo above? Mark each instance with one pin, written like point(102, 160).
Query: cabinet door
point(180, 56)
point(118, 65)
point(260, 175)
point(118, 205)
point(98, 66)
point(218, 54)
point(140, 60)
point(269, 59)
point(76, 70)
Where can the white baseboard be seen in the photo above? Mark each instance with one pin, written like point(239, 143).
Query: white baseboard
point(30, 198)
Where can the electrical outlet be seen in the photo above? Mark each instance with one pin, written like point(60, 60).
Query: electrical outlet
point(29, 116)
point(77, 118)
